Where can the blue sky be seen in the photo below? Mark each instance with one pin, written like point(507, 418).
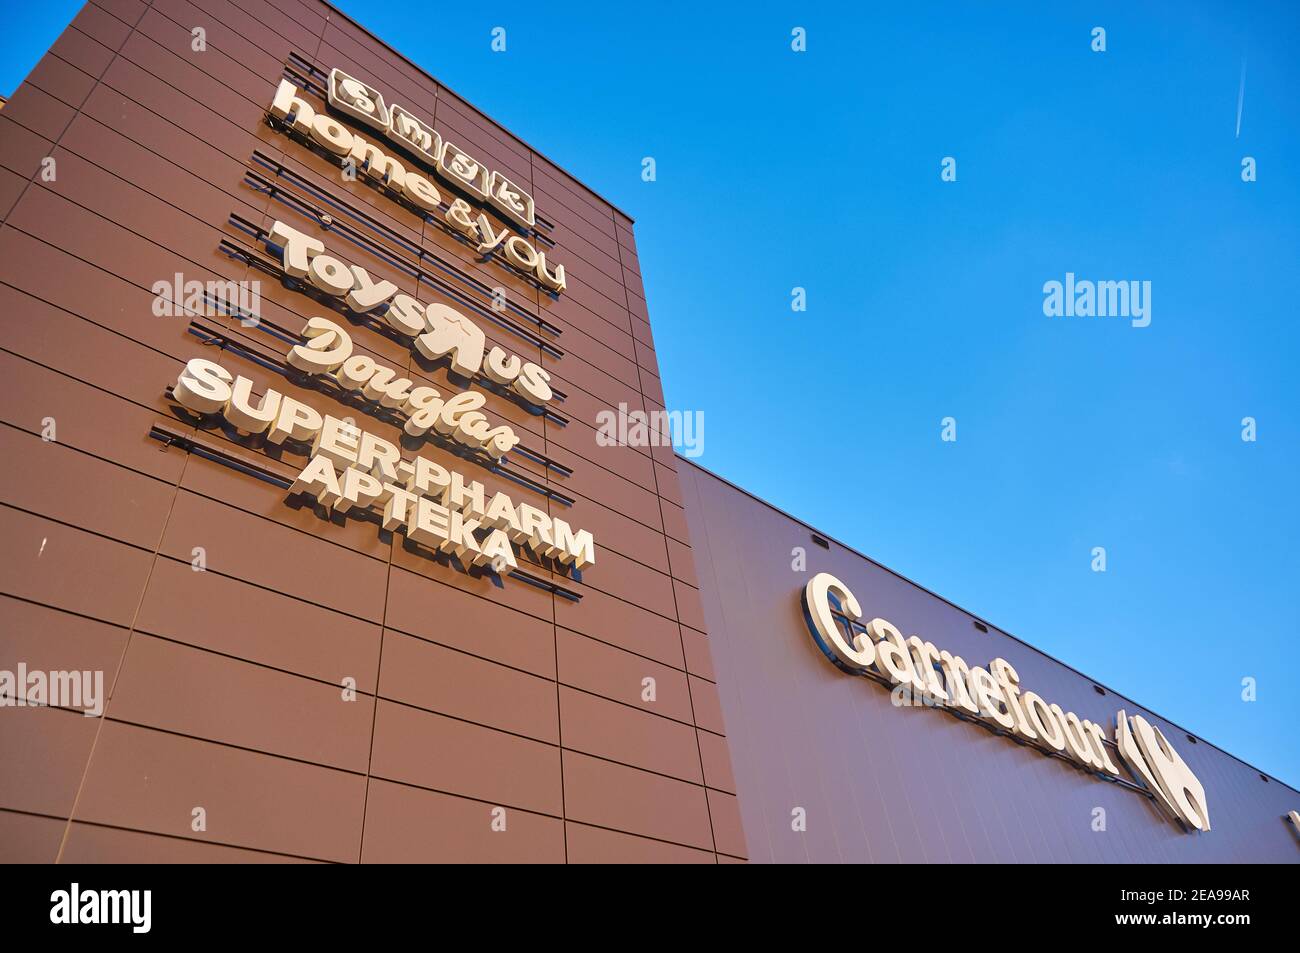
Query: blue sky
point(821, 170)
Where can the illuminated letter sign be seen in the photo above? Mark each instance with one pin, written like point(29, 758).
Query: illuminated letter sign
point(444, 159)
point(364, 103)
point(994, 695)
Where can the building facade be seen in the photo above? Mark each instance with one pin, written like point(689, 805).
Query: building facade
point(880, 776)
point(490, 716)
point(304, 363)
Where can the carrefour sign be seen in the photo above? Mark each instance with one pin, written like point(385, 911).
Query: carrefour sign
point(993, 695)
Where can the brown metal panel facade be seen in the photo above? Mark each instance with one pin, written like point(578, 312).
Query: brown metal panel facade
point(880, 783)
point(287, 684)
point(230, 618)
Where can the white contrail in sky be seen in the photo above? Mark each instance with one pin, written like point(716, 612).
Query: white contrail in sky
point(1241, 95)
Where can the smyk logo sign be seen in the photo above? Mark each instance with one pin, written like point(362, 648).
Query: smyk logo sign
point(366, 104)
